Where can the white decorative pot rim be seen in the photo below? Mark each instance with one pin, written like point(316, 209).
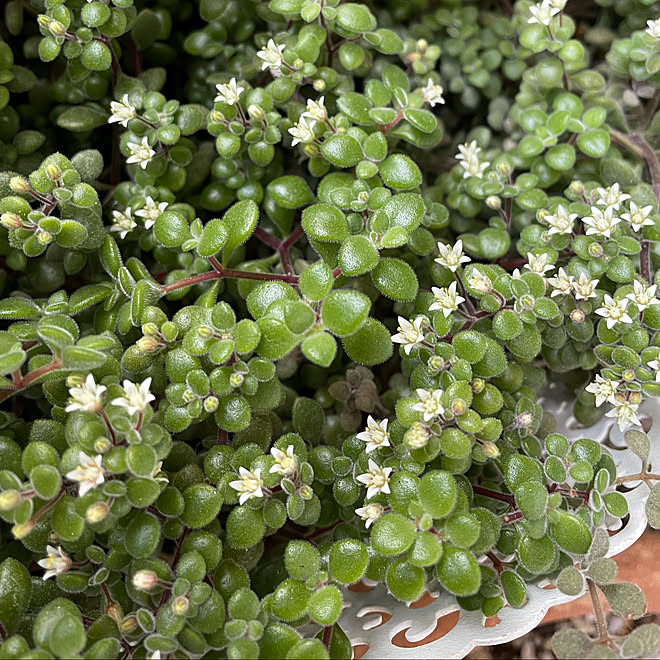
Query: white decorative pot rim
point(375, 619)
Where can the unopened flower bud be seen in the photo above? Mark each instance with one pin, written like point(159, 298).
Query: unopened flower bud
point(541, 215)
point(490, 449)
point(74, 380)
point(150, 330)
point(319, 85)
point(298, 63)
point(577, 187)
point(53, 171)
point(43, 20)
point(236, 379)
point(44, 237)
point(205, 332)
point(256, 112)
point(414, 57)
point(525, 419)
point(636, 398)
point(306, 492)
point(189, 396)
point(22, 530)
point(422, 45)
point(9, 499)
point(417, 436)
point(102, 445)
point(619, 397)
point(493, 202)
point(596, 250)
point(147, 344)
point(527, 301)
point(11, 220)
point(436, 363)
point(577, 315)
point(180, 605)
point(128, 625)
point(211, 404)
point(113, 610)
point(144, 580)
point(217, 117)
point(56, 28)
point(504, 168)
point(628, 374)
point(458, 407)
point(478, 385)
point(97, 512)
point(311, 150)
point(19, 184)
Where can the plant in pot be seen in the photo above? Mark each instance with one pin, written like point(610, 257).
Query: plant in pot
point(283, 285)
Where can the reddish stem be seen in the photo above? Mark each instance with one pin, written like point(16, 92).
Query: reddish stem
point(512, 517)
point(327, 636)
point(25, 381)
point(50, 504)
point(494, 495)
point(386, 128)
point(217, 274)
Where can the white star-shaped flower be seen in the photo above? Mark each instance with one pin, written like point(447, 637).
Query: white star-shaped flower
point(249, 485)
point(303, 131)
point(410, 334)
point(377, 479)
point(141, 152)
point(655, 365)
point(285, 462)
point(446, 299)
point(643, 296)
point(611, 197)
point(271, 56)
point(87, 397)
point(375, 435)
point(601, 222)
point(429, 404)
point(562, 284)
point(88, 474)
point(432, 93)
point(653, 28)
point(452, 256)
point(604, 390)
point(468, 157)
point(584, 287)
point(57, 562)
point(228, 93)
point(370, 513)
point(561, 222)
point(122, 111)
point(542, 13)
point(638, 217)
point(123, 222)
point(538, 264)
point(625, 414)
point(315, 110)
point(151, 211)
point(137, 397)
point(614, 311)
point(480, 282)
